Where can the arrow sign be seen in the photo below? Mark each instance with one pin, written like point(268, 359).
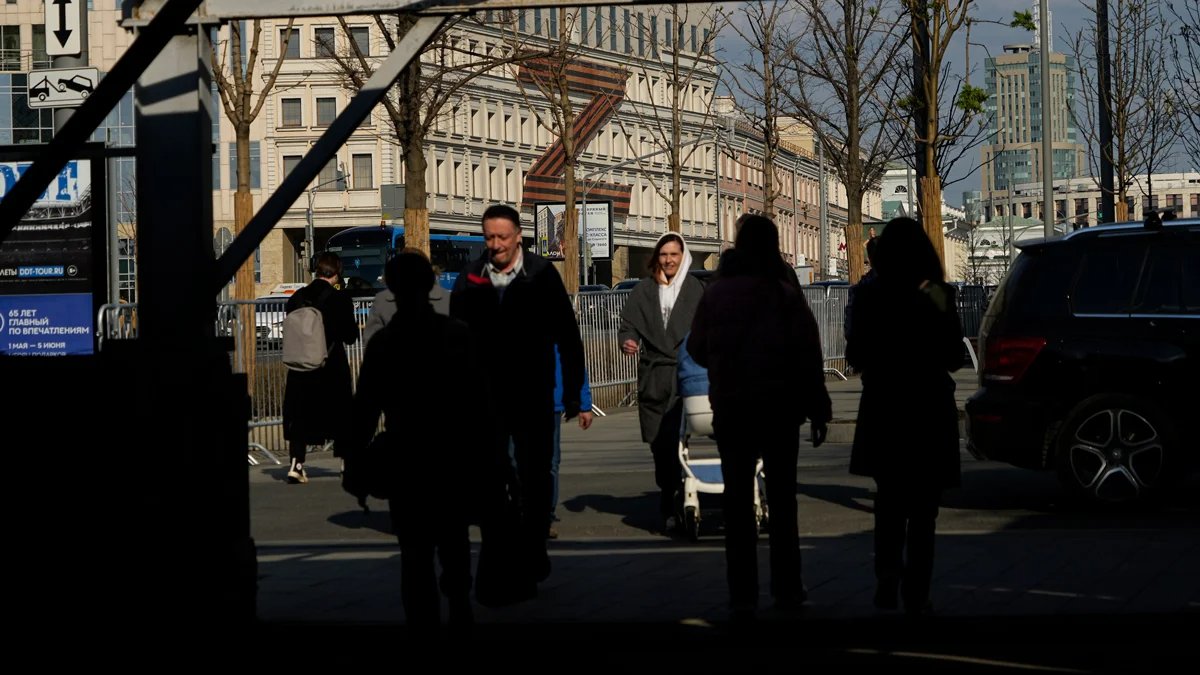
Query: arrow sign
point(62, 21)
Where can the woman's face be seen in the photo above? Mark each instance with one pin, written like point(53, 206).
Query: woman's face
point(670, 256)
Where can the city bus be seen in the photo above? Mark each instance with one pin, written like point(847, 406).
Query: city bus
point(364, 250)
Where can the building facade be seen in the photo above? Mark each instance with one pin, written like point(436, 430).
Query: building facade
point(1015, 131)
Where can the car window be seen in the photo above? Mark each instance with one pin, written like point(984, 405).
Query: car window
point(1108, 271)
point(1169, 284)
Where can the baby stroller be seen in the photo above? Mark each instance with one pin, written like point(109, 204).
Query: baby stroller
point(703, 475)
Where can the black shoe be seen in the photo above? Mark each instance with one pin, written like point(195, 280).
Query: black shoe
point(793, 601)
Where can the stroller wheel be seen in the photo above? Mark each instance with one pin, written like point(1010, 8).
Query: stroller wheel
point(691, 523)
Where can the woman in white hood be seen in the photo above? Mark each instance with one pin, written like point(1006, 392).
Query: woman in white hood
point(656, 318)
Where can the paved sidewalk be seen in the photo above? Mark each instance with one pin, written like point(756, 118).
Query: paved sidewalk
point(1063, 600)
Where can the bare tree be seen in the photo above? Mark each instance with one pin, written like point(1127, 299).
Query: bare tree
point(1185, 47)
point(423, 94)
point(553, 70)
point(685, 85)
point(1145, 121)
point(947, 107)
point(760, 80)
point(843, 84)
point(235, 77)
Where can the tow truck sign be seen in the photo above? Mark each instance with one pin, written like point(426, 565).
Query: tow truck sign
point(62, 88)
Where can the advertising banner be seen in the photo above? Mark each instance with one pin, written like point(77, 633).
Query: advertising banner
point(52, 265)
point(597, 226)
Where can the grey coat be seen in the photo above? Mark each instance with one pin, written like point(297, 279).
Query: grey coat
point(641, 320)
point(383, 308)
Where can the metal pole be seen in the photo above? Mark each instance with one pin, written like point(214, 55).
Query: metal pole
point(309, 232)
point(1104, 66)
point(61, 115)
point(795, 213)
point(1047, 127)
point(717, 160)
point(824, 214)
point(583, 233)
point(114, 263)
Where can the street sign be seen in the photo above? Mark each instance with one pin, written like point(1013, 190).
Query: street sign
point(62, 27)
point(61, 88)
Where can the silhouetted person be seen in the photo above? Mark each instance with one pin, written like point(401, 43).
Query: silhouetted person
point(316, 403)
point(518, 311)
point(904, 337)
point(383, 306)
point(656, 317)
point(412, 369)
point(756, 335)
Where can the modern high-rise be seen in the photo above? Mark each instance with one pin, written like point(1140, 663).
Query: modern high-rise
point(1014, 106)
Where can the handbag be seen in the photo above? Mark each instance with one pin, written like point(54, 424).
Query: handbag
point(369, 471)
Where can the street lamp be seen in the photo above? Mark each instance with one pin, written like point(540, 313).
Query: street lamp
point(309, 232)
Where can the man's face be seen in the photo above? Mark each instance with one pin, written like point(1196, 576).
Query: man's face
point(670, 256)
point(503, 240)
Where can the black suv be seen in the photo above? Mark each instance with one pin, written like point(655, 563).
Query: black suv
point(1091, 360)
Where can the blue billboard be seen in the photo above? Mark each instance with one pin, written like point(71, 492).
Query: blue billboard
point(52, 265)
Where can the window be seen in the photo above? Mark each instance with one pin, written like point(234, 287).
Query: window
point(293, 43)
point(329, 178)
point(40, 59)
point(537, 22)
point(10, 48)
point(127, 269)
point(522, 24)
point(553, 23)
point(216, 166)
point(1106, 277)
point(323, 42)
point(290, 112)
point(705, 45)
point(362, 37)
point(653, 35)
point(362, 172)
point(612, 28)
point(326, 111)
point(583, 18)
point(255, 165)
point(668, 34)
point(641, 30)
point(290, 162)
point(258, 265)
point(628, 33)
point(1162, 290)
point(600, 30)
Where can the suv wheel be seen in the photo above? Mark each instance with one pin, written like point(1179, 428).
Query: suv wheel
point(1114, 448)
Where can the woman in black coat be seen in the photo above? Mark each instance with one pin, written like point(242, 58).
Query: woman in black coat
point(316, 403)
point(904, 337)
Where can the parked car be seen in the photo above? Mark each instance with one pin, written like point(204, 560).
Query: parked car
point(625, 284)
point(78, 83)
point(1090, 360)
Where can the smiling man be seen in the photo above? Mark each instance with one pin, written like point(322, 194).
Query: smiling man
point(518, 310)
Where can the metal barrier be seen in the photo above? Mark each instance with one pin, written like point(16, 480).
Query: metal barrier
point(611, 372)
point(828, 305)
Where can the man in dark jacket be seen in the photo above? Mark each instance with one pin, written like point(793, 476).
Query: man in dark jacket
point(518, 310)
point(316, 403)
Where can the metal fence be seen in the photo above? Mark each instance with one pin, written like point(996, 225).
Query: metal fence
point(612, 373)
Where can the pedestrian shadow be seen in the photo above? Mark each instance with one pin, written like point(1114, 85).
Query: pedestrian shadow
point(639, 512)
point(379, 519)
point(846, 496)
point(279, 473)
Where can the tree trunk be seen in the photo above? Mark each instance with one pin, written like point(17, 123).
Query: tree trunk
point(931, 214)
point(243, 285)
point(854, 238)
point(416, 213)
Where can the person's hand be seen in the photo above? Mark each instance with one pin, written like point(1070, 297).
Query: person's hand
point(585, 420)
point(629, 347)
point(819, 431)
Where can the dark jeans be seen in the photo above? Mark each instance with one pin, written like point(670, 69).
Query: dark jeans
point(905, 519)
point(668, 473)
point(297, 451)
point(742, 436)
point(423, 528)
point(532, 447)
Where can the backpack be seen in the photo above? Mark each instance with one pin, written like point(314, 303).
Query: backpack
point(304, 344)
